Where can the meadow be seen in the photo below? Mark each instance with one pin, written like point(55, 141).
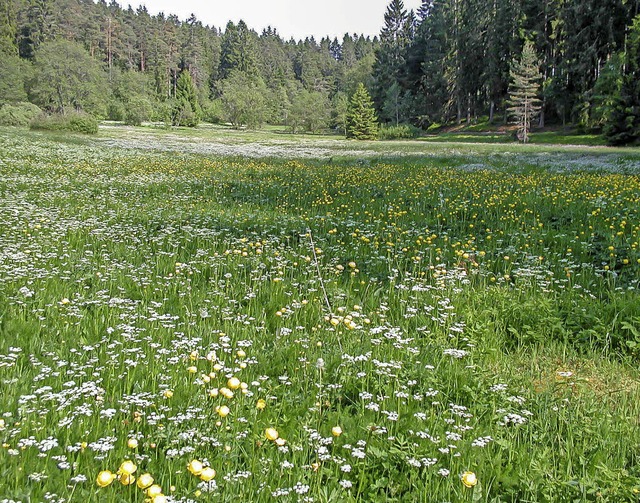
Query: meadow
point(260, 318)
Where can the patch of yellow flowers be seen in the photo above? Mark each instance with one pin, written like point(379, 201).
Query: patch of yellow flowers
point(126, 477)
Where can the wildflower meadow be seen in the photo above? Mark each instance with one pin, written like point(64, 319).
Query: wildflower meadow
point(432, 326)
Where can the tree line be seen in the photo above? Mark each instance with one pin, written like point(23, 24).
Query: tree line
point(451, 61)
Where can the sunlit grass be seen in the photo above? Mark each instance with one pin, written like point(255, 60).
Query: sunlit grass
point(456, 326)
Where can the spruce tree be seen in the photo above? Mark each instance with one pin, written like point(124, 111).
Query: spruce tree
point(186, 111)
point(523, 92)
point(623, 124)
point(362, 123)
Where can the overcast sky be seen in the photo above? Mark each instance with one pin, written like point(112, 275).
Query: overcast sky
point(292, 18)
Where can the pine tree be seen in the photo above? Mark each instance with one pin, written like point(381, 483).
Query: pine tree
point(523, 92)
point(362, 123)
point(186, 111)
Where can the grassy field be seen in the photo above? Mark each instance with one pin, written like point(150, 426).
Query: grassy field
point(260, 317)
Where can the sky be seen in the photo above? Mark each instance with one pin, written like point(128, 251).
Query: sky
point(292, 18)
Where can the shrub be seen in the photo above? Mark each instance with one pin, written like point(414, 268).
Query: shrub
point(74, 122)
point(19, 114)
point(116, 110)
point(213, 112)
point(139, 109)
point(401, 131)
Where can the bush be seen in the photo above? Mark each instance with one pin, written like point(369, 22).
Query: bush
point(19, 114)
point(75, 122)
point(116, 110)
point(139, 109)
point(401, 131)
point(213, 112)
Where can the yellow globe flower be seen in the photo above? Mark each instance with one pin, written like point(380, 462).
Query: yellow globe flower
point(127, 468)
point(167, 393)
point(126, 479)
point(469, 479)
point(145, 480)
point(159, 498)
point(132, 443)
point(192, 369)
point(105, 478)
point(261, 404)
point(271, 434)
point(336, 431)
point(154, 490)
point(233, 383)
point(207, 474)
point(195, 467)
point(223, 411)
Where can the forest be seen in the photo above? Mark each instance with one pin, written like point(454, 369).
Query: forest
point(450, 62)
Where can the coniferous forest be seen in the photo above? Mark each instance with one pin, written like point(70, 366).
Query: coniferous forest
point(450, 62)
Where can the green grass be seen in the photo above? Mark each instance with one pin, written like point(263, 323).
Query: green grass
point(451, 308)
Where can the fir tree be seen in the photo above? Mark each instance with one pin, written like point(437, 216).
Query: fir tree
point(186, 111)
point(362, 123)
point(523, 92)
point(623, 125)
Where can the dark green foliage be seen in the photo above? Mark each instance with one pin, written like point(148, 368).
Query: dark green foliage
point(623, 125)
point(449, 61)
point(395, 37)
point(399, 132)
point(362, 123)
point(18, 114)
point(186, 111)
point(73, 122)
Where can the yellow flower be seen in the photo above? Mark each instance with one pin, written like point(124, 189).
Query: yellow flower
point(469, 479)
point(192, 369)
point(145, 480)
point(280, 441)
point(126, 479)
point(167, 393)
point(271, 434)
point(207, 474)
point(127, 468)
point(105, 478)
point(234, 383)
point(223, 411)
point(226, 392)
point(132, 443)
point(352, 265)
point(241, 353)
point(154, 490)
point(195, 467)
point(336, 431)
point(159, 498)
point(261, 404)
point(2, 424)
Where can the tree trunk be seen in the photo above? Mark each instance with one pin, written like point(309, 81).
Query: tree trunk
point(492, 109)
